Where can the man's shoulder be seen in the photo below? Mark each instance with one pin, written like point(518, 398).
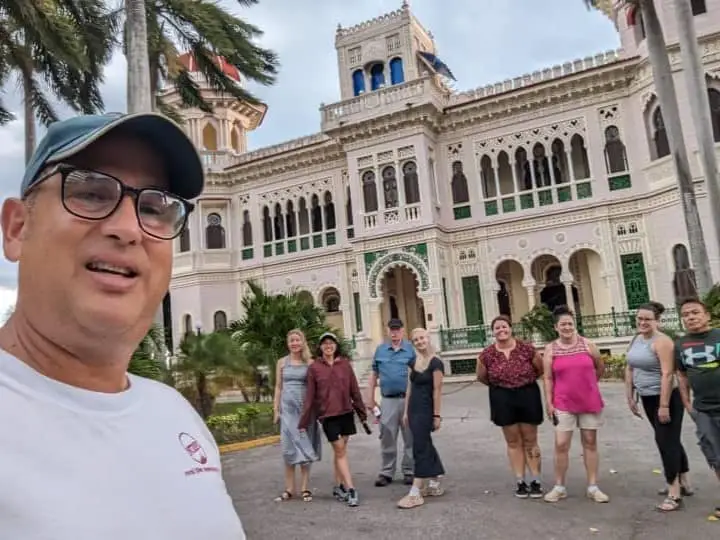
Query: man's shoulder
point(160, 393)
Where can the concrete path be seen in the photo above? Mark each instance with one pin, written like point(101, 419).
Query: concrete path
point(479, 503)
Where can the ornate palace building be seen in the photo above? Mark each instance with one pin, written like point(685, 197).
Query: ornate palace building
point(448, 208)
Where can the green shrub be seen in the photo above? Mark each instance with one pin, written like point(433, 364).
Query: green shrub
point(614, 367)
point(247, 422)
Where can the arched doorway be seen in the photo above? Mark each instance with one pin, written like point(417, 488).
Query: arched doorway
point(512, 299)
point(330, 300)
point(400, 298)
point(547, 272)
point(588, 288)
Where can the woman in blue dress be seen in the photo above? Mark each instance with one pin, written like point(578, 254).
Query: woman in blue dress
point(298, 448)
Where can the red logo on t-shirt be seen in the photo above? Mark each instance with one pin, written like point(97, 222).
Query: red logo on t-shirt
point(193, 448)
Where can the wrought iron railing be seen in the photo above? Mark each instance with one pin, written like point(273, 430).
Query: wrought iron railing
point(616, 324)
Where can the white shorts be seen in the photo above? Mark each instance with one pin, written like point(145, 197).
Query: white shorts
point(571, 422)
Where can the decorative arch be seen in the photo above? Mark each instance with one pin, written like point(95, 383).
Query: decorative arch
point(506, 258)
point(324, 288)
point(391, 260)
point(565, 257)
point(545, 251)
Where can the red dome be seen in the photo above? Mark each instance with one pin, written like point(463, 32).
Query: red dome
point(188, 60)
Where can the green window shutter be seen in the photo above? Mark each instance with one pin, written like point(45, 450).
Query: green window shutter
point(472, 301)
point(635, 279)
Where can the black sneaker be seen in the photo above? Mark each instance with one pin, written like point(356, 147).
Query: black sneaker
point(382, 481)
point(340, 493)
point(522, 491)
point(352, 497)
point(536, 490)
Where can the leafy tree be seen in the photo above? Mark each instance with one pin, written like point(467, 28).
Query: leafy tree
point(712, 301)
point(147, 360)
point(201, 358)
point(207, 31)
point(262, 332)
point(60, 45)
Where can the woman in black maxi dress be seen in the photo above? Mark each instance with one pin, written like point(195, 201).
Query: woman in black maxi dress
point(423, 416)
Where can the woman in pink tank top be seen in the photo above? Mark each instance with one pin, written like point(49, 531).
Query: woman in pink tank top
point(572, 368)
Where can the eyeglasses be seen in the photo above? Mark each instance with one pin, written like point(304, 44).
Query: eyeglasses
point(94, 195)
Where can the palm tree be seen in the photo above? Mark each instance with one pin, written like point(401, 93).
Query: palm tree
point(62, 45)
point(207, 31)
point(203, 357)
point(694, 75)
point(139, 91)
point(148, 359)
point(261, 333)
point(665, 86)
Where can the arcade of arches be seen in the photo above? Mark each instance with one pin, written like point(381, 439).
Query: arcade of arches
point(399, 300)
point(518, 293)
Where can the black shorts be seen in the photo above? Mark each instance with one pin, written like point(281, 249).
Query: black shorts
point(339, 426)
point(509, 406)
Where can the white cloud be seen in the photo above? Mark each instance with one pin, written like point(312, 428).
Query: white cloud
point(7, 301)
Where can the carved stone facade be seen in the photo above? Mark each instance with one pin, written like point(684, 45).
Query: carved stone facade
point(444, 208)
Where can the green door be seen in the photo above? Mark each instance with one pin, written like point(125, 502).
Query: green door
point(472, 301)
point(635, 279)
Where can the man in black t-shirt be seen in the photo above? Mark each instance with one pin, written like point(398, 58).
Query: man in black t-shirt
point(697, 357)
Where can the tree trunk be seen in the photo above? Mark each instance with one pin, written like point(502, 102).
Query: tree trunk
point(694, 75)
point(204, 399)
point(662, 74)
point(30, 135)
point(139, 97)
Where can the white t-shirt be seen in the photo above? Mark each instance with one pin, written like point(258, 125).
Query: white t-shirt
point(82, 465)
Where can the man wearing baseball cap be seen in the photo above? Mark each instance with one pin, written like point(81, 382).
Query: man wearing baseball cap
point(90, 451)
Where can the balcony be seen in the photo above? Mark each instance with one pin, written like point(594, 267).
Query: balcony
point(602, 327)
point(391, 217)
point(384, 101)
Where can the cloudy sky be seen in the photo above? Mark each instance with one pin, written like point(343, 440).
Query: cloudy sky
point(483, 41)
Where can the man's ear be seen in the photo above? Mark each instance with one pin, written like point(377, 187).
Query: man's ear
point(14, 220)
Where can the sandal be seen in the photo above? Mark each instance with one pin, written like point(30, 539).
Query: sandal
point(284, 496)
point(670, 504)
point(307, 495)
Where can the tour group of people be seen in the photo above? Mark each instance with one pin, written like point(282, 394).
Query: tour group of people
point(666, 378)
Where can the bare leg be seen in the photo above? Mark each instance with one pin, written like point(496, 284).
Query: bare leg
point(290, 478)
point(590, 455)
point(562, 450)
point(532, 449)
point(342, 467)
point(515, 452)
point(304, 477)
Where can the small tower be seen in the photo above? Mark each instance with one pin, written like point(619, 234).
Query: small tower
point(381, 52)
point(223, 134)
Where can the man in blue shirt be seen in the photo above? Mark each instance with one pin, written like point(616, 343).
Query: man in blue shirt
point(390, 365)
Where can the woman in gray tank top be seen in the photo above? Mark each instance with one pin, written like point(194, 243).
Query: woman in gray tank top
point(650, 375)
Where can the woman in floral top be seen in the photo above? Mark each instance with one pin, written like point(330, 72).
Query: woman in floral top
point(510, 367)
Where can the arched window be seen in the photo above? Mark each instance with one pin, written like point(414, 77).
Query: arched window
point(329, 209)
point(267, 225)
point(580, 162)
point(390, 187)
point(559, 162)
point(209, 138)
point(681, 258)
point(331, 300)
point(214, 232)
point(247, 230)
point(698, 7)
point(377, 76)
point(290, 220)
point(410, 183)
point(358, 78)
point(315, 214)
point(185, 240)
point(396, 71)
point(278, 223)
point(458, 184)
point(348, 208)
point(303, 217)
point(219, 320)
point(522, 169)
point(487, 177)
point(615, 157)
point(187, 324)
point(370, 198)
point(541, 166)
point(714, 99)
point(659, 135)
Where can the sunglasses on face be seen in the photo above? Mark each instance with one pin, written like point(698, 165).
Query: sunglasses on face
point(94, 195)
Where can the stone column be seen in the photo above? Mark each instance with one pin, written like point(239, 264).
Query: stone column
point(530, 286)
point(377, 331)
point(567, 280)
point(493, 309)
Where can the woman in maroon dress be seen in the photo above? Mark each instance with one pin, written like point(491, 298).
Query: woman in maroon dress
point(510, 367)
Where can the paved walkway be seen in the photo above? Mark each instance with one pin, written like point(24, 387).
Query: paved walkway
point(479, 503)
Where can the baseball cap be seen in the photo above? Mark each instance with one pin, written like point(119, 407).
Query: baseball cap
point(67, 138)
point(329, 335)
point(395, 324)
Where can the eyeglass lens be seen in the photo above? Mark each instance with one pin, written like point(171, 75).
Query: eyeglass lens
point(93, 195)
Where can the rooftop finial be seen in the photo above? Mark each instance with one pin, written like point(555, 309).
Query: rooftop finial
point(405, 4)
